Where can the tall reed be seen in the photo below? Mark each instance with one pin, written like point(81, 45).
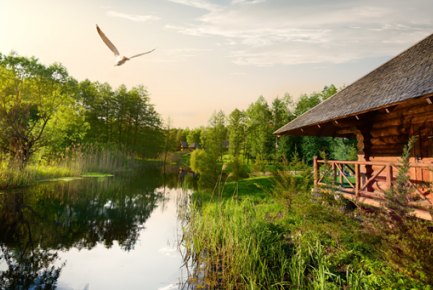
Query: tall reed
point(74, 161)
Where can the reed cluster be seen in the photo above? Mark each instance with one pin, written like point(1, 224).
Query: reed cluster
point(232, 245)
point(169, 157)
point(74, 161)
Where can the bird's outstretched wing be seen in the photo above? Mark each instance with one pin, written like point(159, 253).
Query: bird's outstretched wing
point(142, 53)
point(107, 41)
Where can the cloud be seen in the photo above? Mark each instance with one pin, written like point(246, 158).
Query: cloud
point(237, 73)
point(169, 287)
point(247, 2)
point(177, 54)
point(169, 252)
point(289, 33)
point(133, 17)
point(198, 4)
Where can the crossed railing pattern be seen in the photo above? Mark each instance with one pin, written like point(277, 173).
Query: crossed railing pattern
point(328, 176)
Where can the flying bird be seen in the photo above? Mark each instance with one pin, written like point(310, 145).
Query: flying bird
point(119, 59)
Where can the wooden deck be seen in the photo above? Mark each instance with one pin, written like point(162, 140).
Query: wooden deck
point(370, 189)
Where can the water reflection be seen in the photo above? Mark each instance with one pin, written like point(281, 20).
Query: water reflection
point(39, 222)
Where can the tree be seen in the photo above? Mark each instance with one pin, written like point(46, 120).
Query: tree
point(169, 139)
point(30, 96)
point(236, 131)
point(217, 131)
point(259, 130)
point(194, 137)
point(282, 113)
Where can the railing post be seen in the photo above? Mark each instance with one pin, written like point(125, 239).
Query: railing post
point(334, 173)
point(357, 178)
point(316, 170)
point(388, 176)
point(341, 176)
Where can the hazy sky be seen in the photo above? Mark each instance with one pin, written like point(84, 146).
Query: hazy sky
point(215, 55)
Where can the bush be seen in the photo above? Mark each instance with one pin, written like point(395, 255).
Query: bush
point(406, 241)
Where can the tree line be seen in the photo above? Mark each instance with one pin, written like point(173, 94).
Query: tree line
point(249, 131)
point(44, 110)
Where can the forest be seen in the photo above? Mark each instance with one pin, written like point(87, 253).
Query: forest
point(47, 117)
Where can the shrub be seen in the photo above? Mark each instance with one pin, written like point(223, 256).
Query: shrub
point(406, 241)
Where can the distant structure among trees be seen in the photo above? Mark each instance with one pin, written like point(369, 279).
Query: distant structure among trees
point(183, 145)
point(194, 146)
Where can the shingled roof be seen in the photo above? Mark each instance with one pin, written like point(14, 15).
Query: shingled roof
point(408, 75)
point(194, 145)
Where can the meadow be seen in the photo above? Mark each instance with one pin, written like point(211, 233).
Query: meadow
point(246, 235)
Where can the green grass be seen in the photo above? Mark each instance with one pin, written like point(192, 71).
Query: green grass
point(252, 242)
point(73, 162)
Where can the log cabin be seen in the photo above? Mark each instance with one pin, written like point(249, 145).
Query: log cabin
point(194, 146)
point(382, 110)
point(183, 146)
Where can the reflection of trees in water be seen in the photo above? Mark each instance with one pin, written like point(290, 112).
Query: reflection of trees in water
point(37, 222)
point(29, 266)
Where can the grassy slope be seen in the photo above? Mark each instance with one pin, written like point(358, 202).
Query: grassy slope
point(348, 251)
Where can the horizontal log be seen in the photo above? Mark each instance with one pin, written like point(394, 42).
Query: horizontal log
point(390, 131)
point(395, 147)
point(387, 152)
point(387, 123)
point(398, 139)
point(385, 159)
point(410, 111)
point(422, 118)
point(384, 155)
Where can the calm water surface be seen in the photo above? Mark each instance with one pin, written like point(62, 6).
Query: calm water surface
point(94, 233)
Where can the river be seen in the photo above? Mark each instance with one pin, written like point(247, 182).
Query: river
point(116, 232)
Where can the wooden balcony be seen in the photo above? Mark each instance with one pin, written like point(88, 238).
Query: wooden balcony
point(350, 178)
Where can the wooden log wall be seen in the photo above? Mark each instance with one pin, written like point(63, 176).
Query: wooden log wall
point(390, 133)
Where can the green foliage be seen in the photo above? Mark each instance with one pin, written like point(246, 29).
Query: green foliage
point(405, 241)
point(236, 130)
point(31, 95)
point(237, 169)
point(123, 117)
point(259, 166)
point(74, 161)
point(194, 136)
point(44, 111)
point(286, 184)
point(238, 244)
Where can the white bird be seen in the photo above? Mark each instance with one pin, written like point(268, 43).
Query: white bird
point(119, 59)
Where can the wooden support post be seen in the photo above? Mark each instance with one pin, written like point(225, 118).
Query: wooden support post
point(358, 179)
point(388, 176)
point(334, 173)
point(316, 170)
point(341, 176)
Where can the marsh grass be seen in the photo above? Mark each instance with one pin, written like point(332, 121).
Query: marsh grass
point(74, 161)
point(236, 245)
point(233, 247)
point(244, 236)
point(172, 157)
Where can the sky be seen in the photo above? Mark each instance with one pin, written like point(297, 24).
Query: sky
point(216, 55)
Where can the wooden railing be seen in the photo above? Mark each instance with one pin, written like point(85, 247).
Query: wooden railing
point(362, 186)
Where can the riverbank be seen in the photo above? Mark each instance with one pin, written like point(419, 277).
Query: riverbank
point(244, 238)
point(83, 161)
